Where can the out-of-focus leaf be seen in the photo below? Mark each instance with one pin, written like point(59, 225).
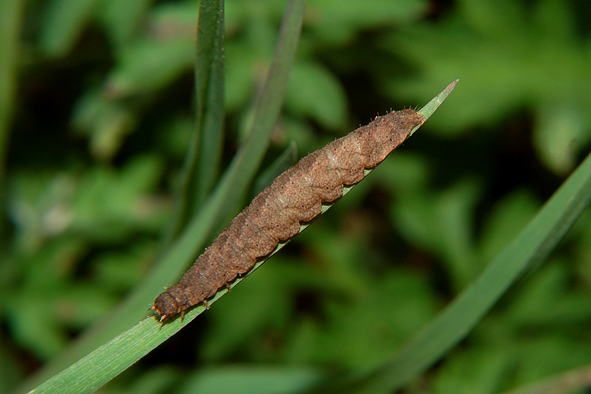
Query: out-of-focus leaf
point(337, 21)
point(562, 131)
point(442, 224)
point(158, 380)
point(9, 371)
point(313, 91)
point(127, 206)
point(148, 65)
point(121, 271)
point(39, 325)
point(251, 380)
point(509, 56)
point(105, 121)
point(123, 18)
point(238, 321)
point(404, 173)
point(64, 22)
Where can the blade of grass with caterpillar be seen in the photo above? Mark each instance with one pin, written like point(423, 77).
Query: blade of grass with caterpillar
point(210, 272)
point(139, 340)
point(119, 353)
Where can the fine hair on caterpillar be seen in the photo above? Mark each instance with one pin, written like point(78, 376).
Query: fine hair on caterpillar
point(295, 197)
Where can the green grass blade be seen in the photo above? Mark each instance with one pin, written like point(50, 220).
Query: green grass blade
point(188, 245)
point(109, 360)
point(432, 105)
point(209, 77)
point(527, 250)
point(204, 154)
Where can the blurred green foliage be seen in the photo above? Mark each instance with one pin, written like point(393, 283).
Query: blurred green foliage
point(101, 119)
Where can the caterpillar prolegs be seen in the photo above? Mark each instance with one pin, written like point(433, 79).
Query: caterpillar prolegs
point(296, 196)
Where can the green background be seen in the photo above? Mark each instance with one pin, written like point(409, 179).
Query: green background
point(96, 115)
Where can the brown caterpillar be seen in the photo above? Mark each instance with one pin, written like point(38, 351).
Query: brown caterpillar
point(296, 196)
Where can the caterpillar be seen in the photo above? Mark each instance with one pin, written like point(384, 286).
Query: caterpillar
point(274, 216)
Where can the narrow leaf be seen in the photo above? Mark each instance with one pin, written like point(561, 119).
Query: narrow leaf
point(204, 154)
